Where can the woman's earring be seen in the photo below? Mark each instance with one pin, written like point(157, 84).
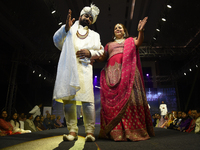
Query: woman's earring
point(114, 38)
point(124, 34)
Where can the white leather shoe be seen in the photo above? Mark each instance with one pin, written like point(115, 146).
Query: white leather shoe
point(89, 138)
point(69, 137)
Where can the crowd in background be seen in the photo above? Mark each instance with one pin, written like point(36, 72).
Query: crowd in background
point(33, 121)
point(179, 120)
point(27, 123)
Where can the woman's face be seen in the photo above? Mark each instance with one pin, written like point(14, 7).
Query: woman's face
point(38, 119)
point(119, 31)
point(15, 116)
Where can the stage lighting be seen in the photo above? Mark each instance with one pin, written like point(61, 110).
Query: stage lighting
point(185, 74)
point(163, 19)
point(169, 6)
point(190, 69)
point(158, 30)
point(53, 11)
point(40, 75)
point(33, 71)
point(147, 74)
point(60, 23)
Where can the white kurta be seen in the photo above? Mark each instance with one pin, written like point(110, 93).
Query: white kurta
point(163, 109)
point(74, 80)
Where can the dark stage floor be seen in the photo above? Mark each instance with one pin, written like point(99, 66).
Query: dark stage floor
point(52, 140)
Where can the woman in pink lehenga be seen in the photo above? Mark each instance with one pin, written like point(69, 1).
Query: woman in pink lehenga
point(124, 108)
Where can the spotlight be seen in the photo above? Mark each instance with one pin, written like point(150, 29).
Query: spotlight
point(60, 23)
point(53, 11)
point(185, 74)
point(196, 66)
point(190, 69)
point(33, 71)
point(163, 19)
point(44, 78)
point(147, 74)
point(169, 6)
point(95, 76)
point(158, 30)
point(40, 75)
point(154, 38)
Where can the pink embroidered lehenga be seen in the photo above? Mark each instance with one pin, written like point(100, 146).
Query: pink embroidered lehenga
point(124, 108)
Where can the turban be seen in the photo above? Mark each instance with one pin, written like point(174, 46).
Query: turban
point(92, 10)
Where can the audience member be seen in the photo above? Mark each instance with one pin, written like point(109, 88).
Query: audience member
point(16, 124)
point(36, 111)
point(185, 122)
point(58, 122)
point(37, 123)
point(43, 126)
point(53, 120)
point(29, 125)
point(48, 122)
point(160, 121)
point(5, 127)
point(22, 118)
point(197, 127)
point(192, 123)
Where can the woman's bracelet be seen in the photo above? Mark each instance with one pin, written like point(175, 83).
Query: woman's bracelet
point(141, 29)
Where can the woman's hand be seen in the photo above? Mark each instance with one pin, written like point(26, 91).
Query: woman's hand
point(69, 22)
point(142, 23)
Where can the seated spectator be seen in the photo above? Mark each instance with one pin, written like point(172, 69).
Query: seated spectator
point(173, 124)
point(5, 127)
point(154, 119)
point(43, 126)
point(166, 119)
point(29, 125)
point(16, 124)
point(58, 122)
point(160, 120)
point(53, 119)
point(22, 118)
point(48, 122)
point(197, 127)
point(192, 123)
point(185, 122)
point(38, 124)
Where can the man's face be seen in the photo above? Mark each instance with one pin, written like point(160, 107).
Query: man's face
point(4, 114)
point(86, 20)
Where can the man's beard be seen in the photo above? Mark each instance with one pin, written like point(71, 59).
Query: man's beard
point(84, 22)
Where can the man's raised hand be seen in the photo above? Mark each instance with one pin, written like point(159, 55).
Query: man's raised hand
point(69, 22)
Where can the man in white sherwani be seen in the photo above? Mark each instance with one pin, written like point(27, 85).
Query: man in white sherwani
point(74, 81)
point(163, 109)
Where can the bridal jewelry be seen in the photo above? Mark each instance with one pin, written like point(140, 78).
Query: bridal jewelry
point(119, 40)
point(82, 36)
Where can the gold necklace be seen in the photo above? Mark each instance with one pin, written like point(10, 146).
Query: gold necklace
point(82, 36)
point(119, 40)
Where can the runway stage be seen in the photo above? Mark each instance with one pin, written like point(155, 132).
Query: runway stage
point(52, 140)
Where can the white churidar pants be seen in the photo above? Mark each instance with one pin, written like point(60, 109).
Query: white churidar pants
point(88, 108)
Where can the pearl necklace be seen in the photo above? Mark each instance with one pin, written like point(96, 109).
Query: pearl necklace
point(119, 40)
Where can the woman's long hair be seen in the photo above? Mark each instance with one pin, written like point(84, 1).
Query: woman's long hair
point(15, 120)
